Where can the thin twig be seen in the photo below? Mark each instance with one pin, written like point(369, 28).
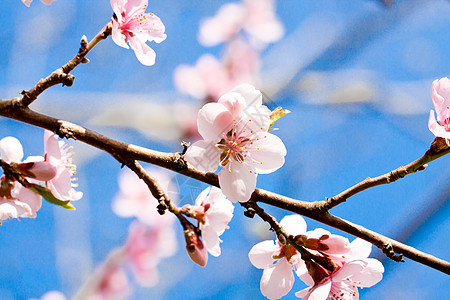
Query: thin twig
point(62, 75)
point(438, 148)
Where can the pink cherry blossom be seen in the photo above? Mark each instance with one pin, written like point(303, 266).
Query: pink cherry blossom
point(440, 94)
point(131, 24)
point(135, 199)
point(21, 203)
point(11, 151)
point(211, 78)
point(15, 200)
point(145, 247)
point(58, 154)
point(256, 17)
point(354, 270)
point(279, 260)
point(28, 2)
point(235, 136)
point(114, 285)
point(214, 211)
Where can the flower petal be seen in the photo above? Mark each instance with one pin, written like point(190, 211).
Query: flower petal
point(293, 224)
point(203, 155)
point(436, 128)
point(440, 94)
point(261, 254)
point(144, 53)
point(27, 196)
point(319, 292)
point(118, 37)
point(237, 181)
point(11, 149)
point(211, 240)
point(267, 152)
point(278, 280)
point(214, 120)
point(349, 269)
point(370, 275)
point(13, 209)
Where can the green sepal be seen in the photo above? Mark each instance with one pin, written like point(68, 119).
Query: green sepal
point(47, 195)
point(277, 113)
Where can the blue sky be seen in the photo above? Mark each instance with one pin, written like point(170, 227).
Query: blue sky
point(356, 76)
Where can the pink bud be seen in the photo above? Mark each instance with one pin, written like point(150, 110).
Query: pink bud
point(195, 248)
point(40, 170)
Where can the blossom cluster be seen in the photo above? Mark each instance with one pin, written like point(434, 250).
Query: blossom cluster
point(20, 191)
point(347, 265)
point(235, 137)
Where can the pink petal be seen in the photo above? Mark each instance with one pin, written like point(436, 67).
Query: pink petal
point(277, 281)
point(293, 224)
point(436, 128)
point(370, 275)
point(61, 185)
point(135, 6)
point(267, 152)
point(321, 291)
point(359, 249)
point(118, 37)
point(220, 214)
point(153, 29)
point(237, 181)
point(11, 149)
point(144, 53)
point(348, 270)
point(214, 119)
point(203, 155)
point(440, 94)
point(51, 145)
point(234, 102)
point(252, 96)
point(203, 196)
point(261, 254)
point(47, 1)
point(211, 240)
point(13, 209)
point(32, 199)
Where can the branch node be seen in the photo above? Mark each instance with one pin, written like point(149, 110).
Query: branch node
point(185, 147)
point(250, 213)
point(64, 132)
point(179, 162)
point(389, 251)
point(162, 207)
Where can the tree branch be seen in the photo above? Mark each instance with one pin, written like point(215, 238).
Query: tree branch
point(174, 161)
point(438, 148)
point(62, 75)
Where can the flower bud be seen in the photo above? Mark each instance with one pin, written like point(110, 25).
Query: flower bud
point(195, 248)
point(40, 170)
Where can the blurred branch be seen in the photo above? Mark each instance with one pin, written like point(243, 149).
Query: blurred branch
point(173, 161)
point(62, 75)
point(158, 193)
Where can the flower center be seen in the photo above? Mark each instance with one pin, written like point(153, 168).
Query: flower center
point(234, 147)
